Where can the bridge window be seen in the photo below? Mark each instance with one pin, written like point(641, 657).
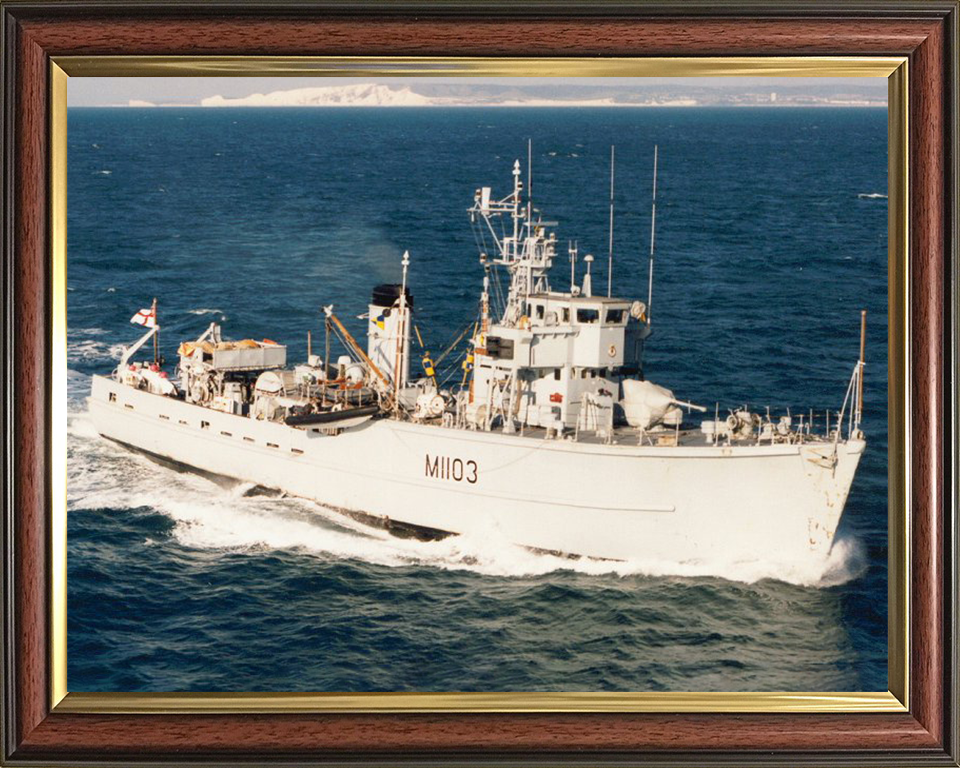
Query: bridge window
point(113, 397)
point(615, 316)
point(588, 315)
point(539, 311)
point(565, 315)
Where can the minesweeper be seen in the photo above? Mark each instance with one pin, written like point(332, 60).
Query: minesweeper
point(550, 438)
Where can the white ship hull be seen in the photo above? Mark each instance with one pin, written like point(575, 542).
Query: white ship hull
point(619, 501)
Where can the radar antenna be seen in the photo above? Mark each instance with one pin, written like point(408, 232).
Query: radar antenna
point(653, 230)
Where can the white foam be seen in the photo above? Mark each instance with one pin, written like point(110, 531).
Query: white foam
point(80, 426)
point(78, 389)
point(92, 349)
point(872, 196)
point(204, 311)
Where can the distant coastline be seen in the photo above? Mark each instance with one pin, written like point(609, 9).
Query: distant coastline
point(406, 96)
point(515, 105)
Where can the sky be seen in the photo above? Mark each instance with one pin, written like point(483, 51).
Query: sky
point(114, 91)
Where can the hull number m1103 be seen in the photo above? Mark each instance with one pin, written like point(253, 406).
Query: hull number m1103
point(447, 468)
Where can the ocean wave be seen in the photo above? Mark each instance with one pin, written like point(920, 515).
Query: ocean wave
point(78, 389)
point(204, 311)
point(872, 196)
point(208, 516)
point(92, 349)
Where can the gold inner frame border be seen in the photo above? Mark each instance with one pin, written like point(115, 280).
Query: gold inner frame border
point(894, 69)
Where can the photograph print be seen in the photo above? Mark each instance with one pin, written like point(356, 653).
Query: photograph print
point(477, 384)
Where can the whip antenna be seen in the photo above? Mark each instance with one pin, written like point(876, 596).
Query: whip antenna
point(610, 256)
point(529, 180)
point(653, 230)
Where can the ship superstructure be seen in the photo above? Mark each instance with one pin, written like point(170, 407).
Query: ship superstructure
point(553, 437)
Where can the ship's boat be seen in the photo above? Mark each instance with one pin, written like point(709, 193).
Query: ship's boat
point(538, 421)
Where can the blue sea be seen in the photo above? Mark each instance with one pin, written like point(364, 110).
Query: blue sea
point(770, 239)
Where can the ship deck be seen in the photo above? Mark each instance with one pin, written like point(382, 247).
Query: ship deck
point(690, 437)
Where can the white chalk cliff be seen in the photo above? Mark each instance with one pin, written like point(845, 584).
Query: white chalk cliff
point(362, 95)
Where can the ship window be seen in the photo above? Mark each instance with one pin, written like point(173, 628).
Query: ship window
point(296, 451)
point(127, 405)
point(165, 418)
point(272, 445)
point(615, 316)
point(565, 314)
point(588, 315)
point(556, 374)
point(183, 421)
point(113, 397)
point(249, 439)
point(204, 425)
point(539, 311)
point(226, 434)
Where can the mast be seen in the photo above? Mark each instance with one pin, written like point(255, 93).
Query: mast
point(860, 363)
point(527, 254)
point(398, 369)
point(653, 230)
point(610, 256)
point(516, 209)
point(156, 335)
point(529, 183)
point(572, 250)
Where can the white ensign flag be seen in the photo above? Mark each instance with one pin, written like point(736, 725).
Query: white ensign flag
point(145, 317)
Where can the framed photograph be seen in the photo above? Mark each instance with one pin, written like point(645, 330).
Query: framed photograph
point(422, 384)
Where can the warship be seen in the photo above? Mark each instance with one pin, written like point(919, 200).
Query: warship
point(550, 436)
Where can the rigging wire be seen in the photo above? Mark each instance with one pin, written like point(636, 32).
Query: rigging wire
point(499, 302)
point(456, 341)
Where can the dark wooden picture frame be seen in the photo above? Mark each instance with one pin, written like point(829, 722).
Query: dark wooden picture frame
point(924, 32)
